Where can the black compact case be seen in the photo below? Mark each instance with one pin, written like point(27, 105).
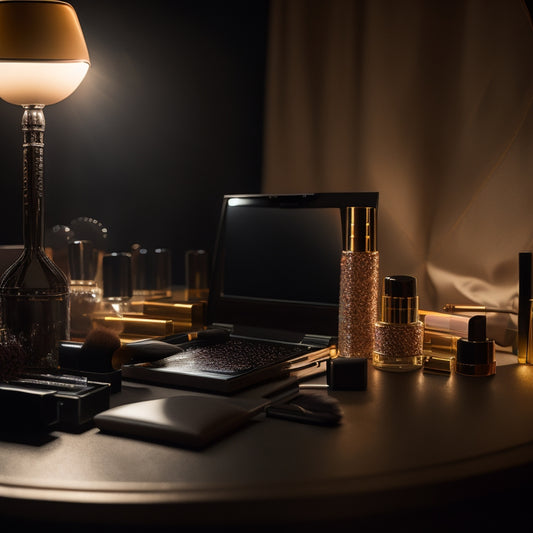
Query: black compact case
point(27, 409)
point(45, 403)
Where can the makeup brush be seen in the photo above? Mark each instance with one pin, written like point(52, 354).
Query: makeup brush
point(96, 353)
point(147, 350)
point(103, 351)
point(453, 308)
point(308, 408)
point(210, 336)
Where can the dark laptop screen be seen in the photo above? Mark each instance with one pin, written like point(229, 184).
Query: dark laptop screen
point(290, 255)
point(277, 261)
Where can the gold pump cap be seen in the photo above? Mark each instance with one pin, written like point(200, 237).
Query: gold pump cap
point(399, 300)
point(361, 229)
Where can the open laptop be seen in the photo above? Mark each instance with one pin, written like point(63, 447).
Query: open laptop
point(274, 289)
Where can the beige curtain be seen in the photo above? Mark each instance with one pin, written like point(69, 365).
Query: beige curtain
point(428, 103)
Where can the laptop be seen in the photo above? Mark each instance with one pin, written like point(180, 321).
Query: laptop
point(274, 290)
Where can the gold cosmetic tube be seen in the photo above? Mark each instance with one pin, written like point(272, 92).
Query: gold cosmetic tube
point(359, 284)
point(440, 351)
point(192, 313)
point(439, 343)
point(135, 327)
point(442, 366)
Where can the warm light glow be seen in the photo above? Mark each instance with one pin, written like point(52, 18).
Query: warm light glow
point(29, 82)
point(43, 55)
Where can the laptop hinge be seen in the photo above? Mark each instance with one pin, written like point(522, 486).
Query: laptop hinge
point(308, 338)
point(228, 327)
point(318, 340)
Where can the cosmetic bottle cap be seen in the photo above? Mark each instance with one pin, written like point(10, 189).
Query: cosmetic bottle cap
point(361, 229)
point(151, 269)
point(399, 300)
point(139, 267)
point(347, 373)
point(117, 275)
point(476, 354)
point(82, 257)
point(161, 267)
point(400, 286)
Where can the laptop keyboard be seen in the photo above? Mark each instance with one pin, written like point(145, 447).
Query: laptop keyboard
point(231, 357)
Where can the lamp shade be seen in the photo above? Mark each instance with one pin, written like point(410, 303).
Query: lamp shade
point(43, 55)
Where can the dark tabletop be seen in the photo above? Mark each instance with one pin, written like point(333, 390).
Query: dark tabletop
point(409, 443)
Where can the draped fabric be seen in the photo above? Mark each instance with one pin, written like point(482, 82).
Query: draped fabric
point(428, 103)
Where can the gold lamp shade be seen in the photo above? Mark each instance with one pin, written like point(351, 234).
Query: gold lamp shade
point(43, 55)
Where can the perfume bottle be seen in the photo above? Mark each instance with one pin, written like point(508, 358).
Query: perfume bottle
point(34, 293)
point(359, 284)
point(399, 339)
point(85, 294)
point(117, 290)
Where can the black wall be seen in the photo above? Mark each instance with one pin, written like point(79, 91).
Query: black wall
point(167, 121)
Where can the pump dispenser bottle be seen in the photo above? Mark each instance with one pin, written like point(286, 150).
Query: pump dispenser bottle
point(476, 354)
point(359, 284)
point(399, 335)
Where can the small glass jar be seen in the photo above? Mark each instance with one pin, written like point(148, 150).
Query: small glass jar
point(399, 336)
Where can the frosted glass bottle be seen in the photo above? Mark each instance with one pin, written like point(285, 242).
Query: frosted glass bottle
point(117, 281)
point(85, 294)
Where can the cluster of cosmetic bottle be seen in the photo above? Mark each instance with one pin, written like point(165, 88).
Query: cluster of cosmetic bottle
point(110, 282)
point(396, 341)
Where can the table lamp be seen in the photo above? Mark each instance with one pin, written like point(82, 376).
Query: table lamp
point(43, 59)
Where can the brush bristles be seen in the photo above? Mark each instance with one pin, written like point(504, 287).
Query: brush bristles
point(318, 403)
point(309, 408)
point(98, 349)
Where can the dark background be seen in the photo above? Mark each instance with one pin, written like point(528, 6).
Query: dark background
point(167, 121)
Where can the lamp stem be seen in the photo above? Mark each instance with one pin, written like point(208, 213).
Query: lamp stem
point(33, 125)
point(34, 292)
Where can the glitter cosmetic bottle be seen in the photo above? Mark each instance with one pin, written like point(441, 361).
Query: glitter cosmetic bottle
point(359, 284)
point(399, 339)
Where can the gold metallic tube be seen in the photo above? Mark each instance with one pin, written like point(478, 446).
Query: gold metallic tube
point(139, 327)
point(438, 343)
point(178, 312)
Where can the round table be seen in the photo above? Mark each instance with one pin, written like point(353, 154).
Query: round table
point(412, 447)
